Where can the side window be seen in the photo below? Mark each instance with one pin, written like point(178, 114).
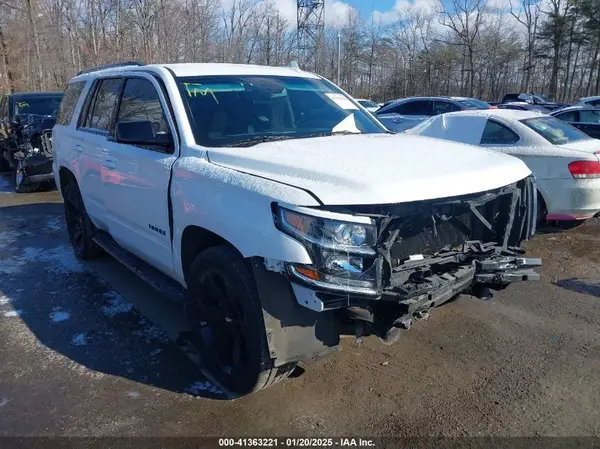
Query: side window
point(419, 107)
point(496, 134)
point(140, 102)
point(4, 109)
point(441, 107)
point(69, 101)
point(104, 105)
point(569, 116)
point(594, 103)
point(589, 116)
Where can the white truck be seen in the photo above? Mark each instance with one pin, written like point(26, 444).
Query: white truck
point(278, 211)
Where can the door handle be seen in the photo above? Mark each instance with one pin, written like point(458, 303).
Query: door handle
point(109, 163)
point(78, 148)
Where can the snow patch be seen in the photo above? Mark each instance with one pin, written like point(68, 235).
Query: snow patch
point(5, 300)
point(133, 394)
point(4, 401)
point(59, 260)
point(59, 315)
point(117, 304)
point(197, 387)
point(13, 313)
point(55, 224)
point(79, 339)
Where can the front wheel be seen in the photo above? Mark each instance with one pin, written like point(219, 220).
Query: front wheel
point(225, 314)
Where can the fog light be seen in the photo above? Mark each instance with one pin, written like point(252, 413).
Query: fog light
point(336, 263)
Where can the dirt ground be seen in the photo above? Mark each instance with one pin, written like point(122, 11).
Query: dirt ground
point(87, 350)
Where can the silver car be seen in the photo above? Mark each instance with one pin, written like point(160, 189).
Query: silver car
point(401, 115)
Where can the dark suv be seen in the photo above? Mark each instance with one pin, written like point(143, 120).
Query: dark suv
point(26, 122)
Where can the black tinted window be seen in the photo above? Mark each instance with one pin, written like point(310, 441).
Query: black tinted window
point(412, 108)
point(496, 134)
point(569, 116)
point(4, 108)
point(104, 104)
point(594, 103)
point(140, 102)
point(68, 103)
point(441, 107)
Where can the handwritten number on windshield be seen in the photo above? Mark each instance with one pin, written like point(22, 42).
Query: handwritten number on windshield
point(193, 89)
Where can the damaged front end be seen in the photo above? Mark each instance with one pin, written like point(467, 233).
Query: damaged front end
point(420, 255)
point(34, 154)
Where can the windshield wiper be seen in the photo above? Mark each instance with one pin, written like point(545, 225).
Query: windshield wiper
point(261, 139)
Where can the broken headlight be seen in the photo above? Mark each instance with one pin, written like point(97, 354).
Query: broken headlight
point(342, 252)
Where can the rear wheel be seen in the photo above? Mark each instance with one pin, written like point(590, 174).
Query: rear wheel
point(79, 226)
point(228, 330)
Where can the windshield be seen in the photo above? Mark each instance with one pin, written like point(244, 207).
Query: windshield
point(472, 103)
point(38, 105)
point(367, 104)
point(555, 131)
point(232, 110)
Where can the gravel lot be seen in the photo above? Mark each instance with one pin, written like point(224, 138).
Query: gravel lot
point(87, 349)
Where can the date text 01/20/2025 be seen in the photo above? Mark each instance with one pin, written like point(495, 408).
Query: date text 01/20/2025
point(296, 442)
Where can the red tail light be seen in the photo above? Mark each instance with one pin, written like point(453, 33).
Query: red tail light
point(585, 169)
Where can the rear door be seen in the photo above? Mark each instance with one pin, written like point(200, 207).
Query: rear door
point(136, 178)
point(95, 127)
point(406, 115)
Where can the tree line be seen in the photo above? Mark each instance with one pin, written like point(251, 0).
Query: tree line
point(478, 48)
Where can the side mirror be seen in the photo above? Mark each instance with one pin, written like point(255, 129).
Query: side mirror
point(141, 132)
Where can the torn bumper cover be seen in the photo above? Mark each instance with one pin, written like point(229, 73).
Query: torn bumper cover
point(429, 251)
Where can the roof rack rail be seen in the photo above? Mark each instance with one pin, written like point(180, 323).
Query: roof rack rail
point(110, 66)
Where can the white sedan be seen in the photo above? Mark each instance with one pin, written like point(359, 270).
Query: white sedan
point(565, 161)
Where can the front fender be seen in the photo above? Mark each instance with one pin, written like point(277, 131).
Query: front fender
point(235, 206)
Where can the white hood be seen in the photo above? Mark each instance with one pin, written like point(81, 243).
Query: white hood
point(375, 168)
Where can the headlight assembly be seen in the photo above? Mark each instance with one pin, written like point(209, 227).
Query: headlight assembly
point(343, 253)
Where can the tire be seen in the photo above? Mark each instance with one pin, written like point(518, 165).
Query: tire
point(225, 314)
point(79, 226)
point(4, 165)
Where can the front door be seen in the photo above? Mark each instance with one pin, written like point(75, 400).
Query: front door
point(136, 178)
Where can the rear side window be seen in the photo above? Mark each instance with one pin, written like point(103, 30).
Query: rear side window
point(68, 103)
point(569, 116)
point(589, 116)
point(495, 133)
point(140, 103)
point(594, 103)
point(104, 104)
point(555, 131)
point(413, 108)
point(441, 107)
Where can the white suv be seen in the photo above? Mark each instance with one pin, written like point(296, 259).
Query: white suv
point(280, 212)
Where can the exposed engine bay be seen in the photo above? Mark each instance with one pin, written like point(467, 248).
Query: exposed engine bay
point(33, 158)
point(430, 251)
